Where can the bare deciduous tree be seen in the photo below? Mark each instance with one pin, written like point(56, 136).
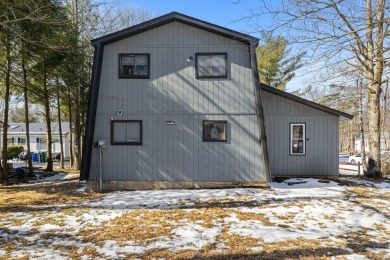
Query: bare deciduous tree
point(353, 32)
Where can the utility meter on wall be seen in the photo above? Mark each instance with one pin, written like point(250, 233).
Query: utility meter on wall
point(101, 143)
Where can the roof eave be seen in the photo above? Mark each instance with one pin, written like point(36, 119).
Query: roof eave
point(171, 17)
point(342, 115)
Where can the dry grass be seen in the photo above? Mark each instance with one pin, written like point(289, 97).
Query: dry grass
point(24, 197)
point(57, 220)
point(139, 226)
point(144, 226)
point(250, 216)
point(67, 169)
point(240, 247)
point(238, 244)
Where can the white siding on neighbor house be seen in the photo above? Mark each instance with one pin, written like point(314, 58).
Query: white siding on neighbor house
point(321, 157)
point(385, 142)
point(177, 152)
point(38, 147)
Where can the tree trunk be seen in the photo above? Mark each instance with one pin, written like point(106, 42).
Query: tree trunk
point(60, 125)
point(25, 94)
point(49, 166)
point(351, 139)
point(70, 128)
point(77, 131)
point(384, 113)
point(373, 110)
point(4, 173)
point(374, 71)
point(363, 146)
point(77, 121)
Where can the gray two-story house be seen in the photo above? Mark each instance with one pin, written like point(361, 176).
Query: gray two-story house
point(176, 102)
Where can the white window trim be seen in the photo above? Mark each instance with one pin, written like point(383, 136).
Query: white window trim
point(291, 138)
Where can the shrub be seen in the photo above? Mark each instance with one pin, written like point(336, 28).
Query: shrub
point(14, 151)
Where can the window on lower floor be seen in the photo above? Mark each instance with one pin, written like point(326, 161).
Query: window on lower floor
point(22, 141)
point(297, 139)
point(126, 132)
point(214, 131)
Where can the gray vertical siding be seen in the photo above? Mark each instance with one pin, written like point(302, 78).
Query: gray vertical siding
point(322, 130)
point(177, 153)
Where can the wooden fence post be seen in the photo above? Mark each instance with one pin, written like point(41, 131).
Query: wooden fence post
point(358, 168)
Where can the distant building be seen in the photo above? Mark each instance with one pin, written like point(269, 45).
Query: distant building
point(385, 142)
point(38, 137)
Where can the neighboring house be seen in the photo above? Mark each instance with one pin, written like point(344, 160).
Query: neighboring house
point(175, 102)
point(38, 136)
point(385, 142)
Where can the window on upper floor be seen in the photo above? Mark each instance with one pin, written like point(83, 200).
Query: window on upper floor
point(211, 65)
point(214, 131)
point(126, 132)
point(134, 65)
point(297, 139)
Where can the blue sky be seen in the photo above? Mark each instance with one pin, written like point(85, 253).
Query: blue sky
point(225, 13)
point(221, 12)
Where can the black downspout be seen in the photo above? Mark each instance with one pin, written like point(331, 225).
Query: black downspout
point(259, 109)
point(91, 114)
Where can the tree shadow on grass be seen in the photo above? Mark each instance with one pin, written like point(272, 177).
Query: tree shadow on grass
point(358, 246)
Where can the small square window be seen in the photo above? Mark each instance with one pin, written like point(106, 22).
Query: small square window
point(134, 65)
point(126, 132)
point(211, 65)
point(214, 131)
point(297, 139)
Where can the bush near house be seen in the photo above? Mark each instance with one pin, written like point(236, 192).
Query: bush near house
point(14, 151)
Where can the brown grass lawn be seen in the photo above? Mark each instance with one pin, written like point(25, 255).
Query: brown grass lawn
point(52, 219)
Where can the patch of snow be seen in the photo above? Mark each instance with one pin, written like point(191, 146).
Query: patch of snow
point(383, 185)
point(82, 189)
point(164, 199)
point(353, 257)
point(39, 252)
point(269, 233)
point(113, 250)
point(188, 237)
point(55, 177)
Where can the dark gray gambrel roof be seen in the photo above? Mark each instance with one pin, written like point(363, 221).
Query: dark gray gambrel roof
point(305, 102)
point(37, 128)
point(100, 42)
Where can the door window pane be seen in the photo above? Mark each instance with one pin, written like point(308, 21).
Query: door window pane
point(297, 138)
